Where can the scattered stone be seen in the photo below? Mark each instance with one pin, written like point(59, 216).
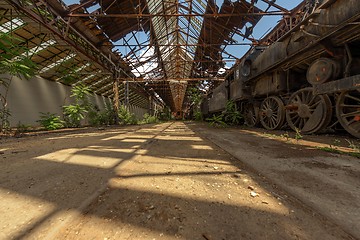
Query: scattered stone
point(251, 188)
point(264, 202)
point(253, 194)
point(216, 168)
point(205, 236)
point(14, 152)
point(237, 175)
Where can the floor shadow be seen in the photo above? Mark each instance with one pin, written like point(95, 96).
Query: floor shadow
point(188, 218)
point(66, 175)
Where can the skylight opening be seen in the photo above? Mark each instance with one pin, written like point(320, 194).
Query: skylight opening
point(75, 71)
point(101, 80)
point(88, 77)
point(47, 68)
point(103, 87)
point(36, 49)
point(94, 8)
point(11, 25)
point(82, 67)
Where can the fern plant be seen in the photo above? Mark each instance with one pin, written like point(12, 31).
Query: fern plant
point(231, 115)
point(216, 121)
point(198, 116)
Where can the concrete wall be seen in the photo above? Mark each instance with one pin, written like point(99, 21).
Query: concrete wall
point(27, 98)
point(139, 112)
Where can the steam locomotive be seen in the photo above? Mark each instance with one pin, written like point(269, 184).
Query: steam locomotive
point(306, 79)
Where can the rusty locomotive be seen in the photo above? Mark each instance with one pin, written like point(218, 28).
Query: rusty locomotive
point(307, 78)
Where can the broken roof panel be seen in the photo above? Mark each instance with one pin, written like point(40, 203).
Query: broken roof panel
point(166, 44)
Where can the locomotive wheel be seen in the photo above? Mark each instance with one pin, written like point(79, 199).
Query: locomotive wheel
point(348, 112)
point(307, 112)
point(251, 114)
point(272, 113)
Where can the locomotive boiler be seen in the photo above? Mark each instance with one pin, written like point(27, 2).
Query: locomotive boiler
point(306, 78)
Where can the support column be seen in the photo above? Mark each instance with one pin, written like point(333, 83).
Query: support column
point(150, 105)
point(116, 99)
point(127, 93)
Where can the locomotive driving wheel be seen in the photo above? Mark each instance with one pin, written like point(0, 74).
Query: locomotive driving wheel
point(251, 114)
point(272, 113)
point(348, 111)
point(307, 112)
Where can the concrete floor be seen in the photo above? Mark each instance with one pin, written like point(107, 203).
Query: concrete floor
point(174, 180)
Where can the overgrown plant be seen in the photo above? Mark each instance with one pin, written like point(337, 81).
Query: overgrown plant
point(216, 121)
point(198, 116)
point(195, 96)
point(14, 64)
point(286, 136)
point(74, 113)
point(50, 121)
point(81, 94)
point(104, 117)
point(126, 117)
point(353, 146)
point(298, 135)
point(147, 118)
point(165, 114)
point(5, 114)
point(231, 115)
point(21, 129)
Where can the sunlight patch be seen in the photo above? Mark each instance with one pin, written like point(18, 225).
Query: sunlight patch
point(201, 147)
point(133, 140)
point(87, 157)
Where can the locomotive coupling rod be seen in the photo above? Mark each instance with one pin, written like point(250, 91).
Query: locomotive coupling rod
point(292, 107)
point(344, 84)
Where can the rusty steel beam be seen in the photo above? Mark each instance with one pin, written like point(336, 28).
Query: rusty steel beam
point(272, 3)
point(204, 15)
point(62, 29)
point(184, 45)
point(170, 80)
point(86, 4)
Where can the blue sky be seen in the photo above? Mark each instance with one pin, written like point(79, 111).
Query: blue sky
point(264, 25)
